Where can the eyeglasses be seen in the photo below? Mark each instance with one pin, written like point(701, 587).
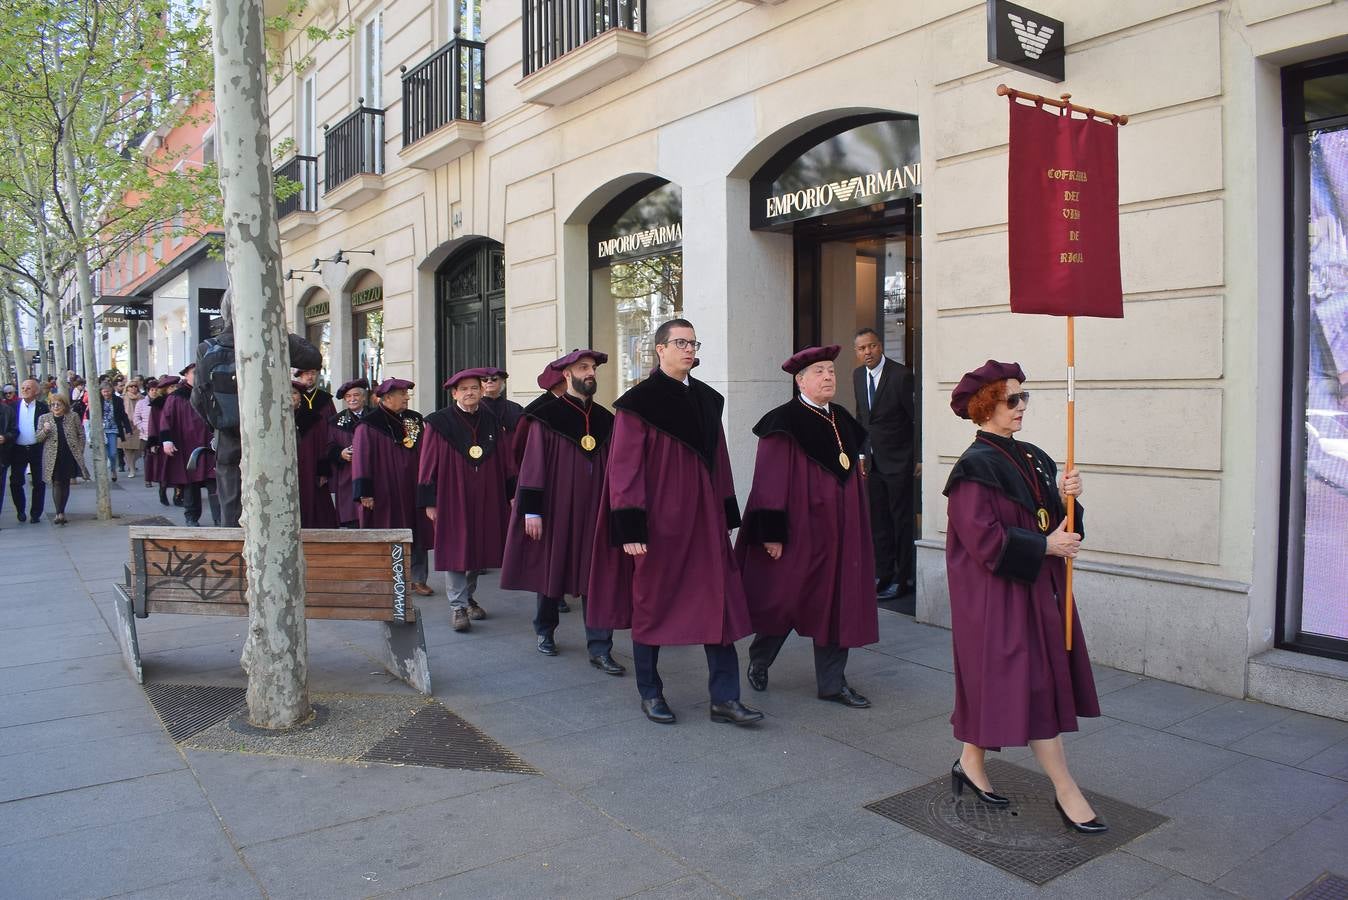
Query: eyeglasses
point(684, 344)
point(490, 378)
point(1013, 400)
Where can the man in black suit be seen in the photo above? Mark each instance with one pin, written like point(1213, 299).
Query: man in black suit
point(885, 406)
point(26, 454)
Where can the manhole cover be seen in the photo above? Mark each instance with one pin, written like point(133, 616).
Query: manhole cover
point(1028, 838)
point(434, 736)
point(1327, 887)
point(151, 521)
point(187, 709)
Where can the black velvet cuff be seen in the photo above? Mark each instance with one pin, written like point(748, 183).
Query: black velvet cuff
point(335, 455)
point(766, 526)
point(425, 495)
point(1022, 556)
point(510, 487)
point(628, 526)
point(529, 501)
point(362, 487)
point(165, 437)
point(1079, 526)
point(732, 513)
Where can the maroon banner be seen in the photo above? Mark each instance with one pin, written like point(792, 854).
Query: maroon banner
point(1063, 209)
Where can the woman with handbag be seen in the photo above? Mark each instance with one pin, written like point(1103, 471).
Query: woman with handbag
point(62, 438)
point(133, 442)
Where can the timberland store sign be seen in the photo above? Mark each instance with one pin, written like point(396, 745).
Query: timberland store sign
point(847, 165)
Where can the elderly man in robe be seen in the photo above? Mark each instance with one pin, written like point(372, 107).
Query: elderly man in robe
point(385, 452)
point(805, 547)
point(464, 484)
point(663, 565)
point(551, 536)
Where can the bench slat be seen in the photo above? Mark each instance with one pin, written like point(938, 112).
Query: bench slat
point(185, 607)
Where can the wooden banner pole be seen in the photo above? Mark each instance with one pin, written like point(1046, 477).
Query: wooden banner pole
point(1071, 456)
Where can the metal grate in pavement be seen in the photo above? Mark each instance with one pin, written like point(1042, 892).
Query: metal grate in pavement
point(1328, 886)
point(1028, 839)
point(434, 736)
point(152, 521)
point(187, 709)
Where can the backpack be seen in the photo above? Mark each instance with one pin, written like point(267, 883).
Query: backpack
point(216, 395)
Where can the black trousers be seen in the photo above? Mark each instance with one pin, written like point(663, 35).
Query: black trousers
point(228, 454)
point(723, 671)
point(891, 497)
point(599, 641)
point(27, 457)
point(830, 663)
point(192, 502)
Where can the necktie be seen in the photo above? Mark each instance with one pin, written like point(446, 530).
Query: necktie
point(870, 394)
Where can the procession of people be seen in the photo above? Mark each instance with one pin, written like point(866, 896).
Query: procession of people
point(633, 510)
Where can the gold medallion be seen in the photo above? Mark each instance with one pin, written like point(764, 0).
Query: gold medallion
point(475, 451)
point(845, 461)
point(1042, 515)
point(409, 442)
point(588, 443)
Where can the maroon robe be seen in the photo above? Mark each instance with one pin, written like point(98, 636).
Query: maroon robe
point(385, 468)
point(319, 401)
point(1014, 680)
point(519, 440)
point(669, 486)
point(154, 456)
point(311, 452)
point(823, 586)
point(471, 496)
point(562, 482)
point(341, 433)
point(184, 426)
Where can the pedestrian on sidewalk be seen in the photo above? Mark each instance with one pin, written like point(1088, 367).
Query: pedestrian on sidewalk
point(115, 425)
point(1006, 551)
point(27, 454)
point(133, 442)
point(550, 539)
point(312, 442)
point(342, 433)
point(663, 565)
point(189, 459)
point(385, 452)
point(154, 452)
point(62, 441)
point(9, 436)
point(466, 479)
point(805, 548)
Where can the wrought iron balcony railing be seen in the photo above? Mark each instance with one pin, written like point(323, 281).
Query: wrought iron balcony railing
point(304, 170)
point(555, 27)
point(449, 84)
point(354, 146)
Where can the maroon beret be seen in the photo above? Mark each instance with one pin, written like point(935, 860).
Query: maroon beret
point(168, 380)
point(549, 378)
point(809, 356)
point(576, 356)
point(187, 368)
point(353, 383)
point(985, 374)
point(393, 384)
point(466, 373)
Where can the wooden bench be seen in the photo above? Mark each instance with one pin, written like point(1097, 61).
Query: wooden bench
point(349, 574)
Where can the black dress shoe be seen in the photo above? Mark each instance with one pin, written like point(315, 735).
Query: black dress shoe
point(890, 592)
point(33, 520)
point(563, 606)
point(757, 676)
point(847, 697)
point(658, 711)
point(1094, 826)
point(546, 645)
point(734, 712)
point(23, 516)
point(607, 664)
point(959, 781)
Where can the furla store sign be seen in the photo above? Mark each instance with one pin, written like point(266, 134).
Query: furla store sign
point(1025, 40)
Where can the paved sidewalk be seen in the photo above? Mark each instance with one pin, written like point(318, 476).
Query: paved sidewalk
point(96, 800)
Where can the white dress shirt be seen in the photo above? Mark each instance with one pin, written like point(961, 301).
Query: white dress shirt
point(27, 413)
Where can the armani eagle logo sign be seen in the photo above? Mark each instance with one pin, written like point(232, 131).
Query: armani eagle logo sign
point(1033, 37)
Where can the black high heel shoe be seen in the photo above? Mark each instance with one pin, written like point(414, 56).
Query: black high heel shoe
point(959, 781)
point(1094, 826)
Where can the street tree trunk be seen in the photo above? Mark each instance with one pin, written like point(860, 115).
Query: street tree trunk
point(275, 655)
point(9, 339)
point(11, 314)
point(85, 285)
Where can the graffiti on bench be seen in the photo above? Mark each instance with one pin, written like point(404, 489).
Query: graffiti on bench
point(211, 580)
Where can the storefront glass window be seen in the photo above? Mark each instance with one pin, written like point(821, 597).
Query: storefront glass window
point(320, 335)
point(369, 337)
point(1316, 607)
point(645, 293)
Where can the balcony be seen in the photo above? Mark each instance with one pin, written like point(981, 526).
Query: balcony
point(574, 47)
point(443, 104)
point(353, 167)
point(298, 213)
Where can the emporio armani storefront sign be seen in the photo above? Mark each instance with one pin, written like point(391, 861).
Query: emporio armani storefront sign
point(878, 185)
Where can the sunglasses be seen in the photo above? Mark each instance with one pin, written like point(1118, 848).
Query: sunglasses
point(1013, 400)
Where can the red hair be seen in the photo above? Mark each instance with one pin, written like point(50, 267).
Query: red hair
point(984, 403)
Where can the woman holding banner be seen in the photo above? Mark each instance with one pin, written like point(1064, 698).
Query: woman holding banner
point(1006, 547)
